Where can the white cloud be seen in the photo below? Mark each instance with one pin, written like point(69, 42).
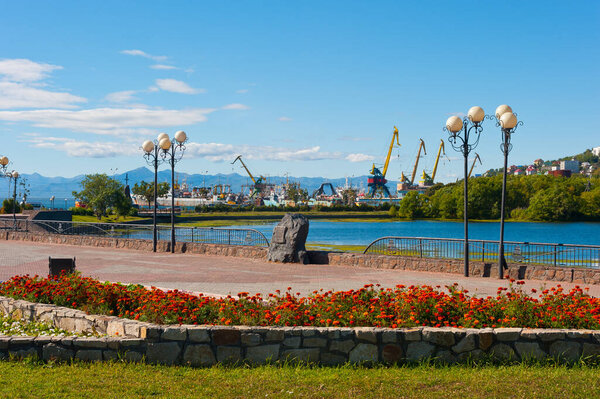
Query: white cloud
point(242, 91)
point(111, 121)
point(77, 148)
point(120, 96)
point(21, 86)
point(284, 119)
point(19, 95)
point(24, 70)
point(216, 152)
point(141, 53)
point(163, 67)
point(358, 157)
point(236, 106)
point(176, 86)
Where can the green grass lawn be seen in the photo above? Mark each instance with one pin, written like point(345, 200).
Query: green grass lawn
point(119, 380)
point(105, 219)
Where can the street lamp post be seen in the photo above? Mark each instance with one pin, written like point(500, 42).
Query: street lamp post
point(151, 153)
point(15, 176)
point(507, 121)
point(169, 153)
point(468, 126)
point(3, 166)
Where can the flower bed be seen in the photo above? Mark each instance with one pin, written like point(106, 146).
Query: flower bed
point(368, 306)
point(10, 326)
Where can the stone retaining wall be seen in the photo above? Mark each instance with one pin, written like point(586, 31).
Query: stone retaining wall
point(478, 269)
point(207, 345)
point(140, 245)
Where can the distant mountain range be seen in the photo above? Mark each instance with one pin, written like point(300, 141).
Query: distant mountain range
point(62, 187)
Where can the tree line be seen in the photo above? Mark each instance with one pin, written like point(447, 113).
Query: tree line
point(528, 198)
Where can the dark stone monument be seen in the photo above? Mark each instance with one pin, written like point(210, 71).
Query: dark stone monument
point(289, 238)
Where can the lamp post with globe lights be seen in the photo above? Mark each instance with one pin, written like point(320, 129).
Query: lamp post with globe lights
point(151, 153)
point(172, 152)
point(15, 176)
point(4, 164)
point(464, 137)
point(508, 123)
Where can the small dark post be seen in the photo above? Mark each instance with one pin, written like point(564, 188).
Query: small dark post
point(58, 266)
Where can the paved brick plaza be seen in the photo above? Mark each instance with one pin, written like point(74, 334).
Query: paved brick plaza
point(225, 275)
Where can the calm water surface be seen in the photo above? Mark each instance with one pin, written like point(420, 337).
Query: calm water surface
point(362, 233)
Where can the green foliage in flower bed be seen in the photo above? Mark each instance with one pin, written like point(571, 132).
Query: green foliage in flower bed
point(9, 326)
point(368, 306)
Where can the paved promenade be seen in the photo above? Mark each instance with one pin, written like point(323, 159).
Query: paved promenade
point(226, 275)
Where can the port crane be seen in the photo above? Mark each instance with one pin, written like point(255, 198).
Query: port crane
point(426, 179)
point(477, 158)
point(259, 183)
point(414, 173)
point(377, 181)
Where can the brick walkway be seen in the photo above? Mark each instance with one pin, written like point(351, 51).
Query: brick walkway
point(225, 275)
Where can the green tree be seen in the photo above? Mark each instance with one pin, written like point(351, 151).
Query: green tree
point(100, 192)
point(146, 190)
point(553, 204)
point(295, 193)
point(8, 205)
point(590, 203)
point(410, 206)
point(393, 212)
point(349, 196)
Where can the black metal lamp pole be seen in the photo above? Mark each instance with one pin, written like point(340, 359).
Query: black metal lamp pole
point(151, 153)
point(469, 126)
point(169, 153)
point(507, 121)
point(15, 176)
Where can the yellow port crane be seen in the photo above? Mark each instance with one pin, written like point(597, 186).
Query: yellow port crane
point(414, 173)
point(258, 184)
point(437, 159)
point(377, 180)
point(477, 158)
point(426, 179)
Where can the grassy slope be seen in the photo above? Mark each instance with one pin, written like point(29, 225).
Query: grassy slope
point(22, 379)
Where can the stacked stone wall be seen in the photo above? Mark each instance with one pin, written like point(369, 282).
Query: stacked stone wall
point(207, 345)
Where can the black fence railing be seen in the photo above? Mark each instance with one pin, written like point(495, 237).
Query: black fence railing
point(570, 255)
point(208, 235)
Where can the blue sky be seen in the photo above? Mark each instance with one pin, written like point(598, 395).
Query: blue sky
point(310, 88)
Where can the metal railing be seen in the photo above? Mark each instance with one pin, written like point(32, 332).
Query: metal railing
point(208, 235)
point(571, 255)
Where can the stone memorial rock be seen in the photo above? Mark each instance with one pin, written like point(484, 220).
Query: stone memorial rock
point(289, 238)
